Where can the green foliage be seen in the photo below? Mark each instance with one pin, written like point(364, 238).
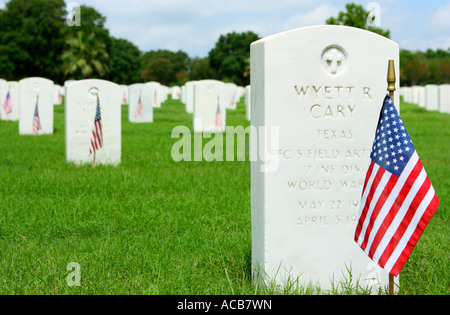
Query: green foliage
point(229, 57)
point(201, 69)
point(32, 38)
point(356, 16)
point(420, 68)
point(84, 57)
point(125, 62)
point(164, 66)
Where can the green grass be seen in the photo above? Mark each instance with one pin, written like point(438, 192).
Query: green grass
point(155, 226)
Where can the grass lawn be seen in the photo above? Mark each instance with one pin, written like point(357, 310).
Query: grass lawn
point(155, 226)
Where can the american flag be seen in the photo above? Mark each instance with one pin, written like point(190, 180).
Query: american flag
point(7, 103)
point(218, 117)
point(398, 199)
point(97, 133)
point(138, 108)
point(124, 98)
point(36, 121)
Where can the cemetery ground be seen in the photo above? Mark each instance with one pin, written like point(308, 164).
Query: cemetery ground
point(156, 226)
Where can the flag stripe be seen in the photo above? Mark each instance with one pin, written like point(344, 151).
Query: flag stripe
point(394, 226)
point(375, 189)
point(387, 215)
point(379, 204)
point(390, 209)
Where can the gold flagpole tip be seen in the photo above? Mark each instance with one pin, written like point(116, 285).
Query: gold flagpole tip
point(391, 76)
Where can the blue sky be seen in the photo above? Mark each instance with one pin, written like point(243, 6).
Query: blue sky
point(194, 26)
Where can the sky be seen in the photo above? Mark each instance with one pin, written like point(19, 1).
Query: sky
point(194, 26)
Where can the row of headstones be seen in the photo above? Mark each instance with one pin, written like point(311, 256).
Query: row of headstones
point(21, 101)
point(430, 97)
point(208, 102)
point(36, 96)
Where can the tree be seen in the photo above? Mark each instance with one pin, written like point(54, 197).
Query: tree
point(201, 69)
point(356, 16)
point(165, 66)
point(87, 47)
point(32, 38)
point(124, 62)
point(84, 57)
point(228, 57)
point(159, 70)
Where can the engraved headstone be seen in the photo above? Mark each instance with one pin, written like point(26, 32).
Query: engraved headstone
point(9, 100)
point(140, 107)
point(81, 105)
point(209, 106)
point(35, 91)
point(320, 89)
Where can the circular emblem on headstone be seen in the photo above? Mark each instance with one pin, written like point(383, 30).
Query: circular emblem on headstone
point(334, 59)
point(36, 86)
point(93, 92)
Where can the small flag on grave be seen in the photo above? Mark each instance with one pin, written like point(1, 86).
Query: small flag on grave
point(7, 103)
point(36, 119)
point(97, 133)
point(398, 199)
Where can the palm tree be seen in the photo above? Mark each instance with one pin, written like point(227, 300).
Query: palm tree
point(84, 56)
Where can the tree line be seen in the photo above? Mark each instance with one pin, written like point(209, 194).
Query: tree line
point(36, 41)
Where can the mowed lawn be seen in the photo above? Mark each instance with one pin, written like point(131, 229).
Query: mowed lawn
point(155, 226)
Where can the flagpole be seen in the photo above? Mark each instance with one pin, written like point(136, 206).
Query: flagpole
point(391, 88)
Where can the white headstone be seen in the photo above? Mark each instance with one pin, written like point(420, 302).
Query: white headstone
point(320, 89)
point(230, 95)
point(13, 88)
point(247, 102)
point(156, 93)
point(183, 94)
point(422, 96)
point(140, 107)
point(432, 97)
point(190, 96)
point(176, 92)
point(444, 98)
point(34, 91)
point(407, 94)
point(209, 108)
point(81, 105)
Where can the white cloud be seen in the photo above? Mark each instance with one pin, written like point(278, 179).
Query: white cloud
point(194, 26)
